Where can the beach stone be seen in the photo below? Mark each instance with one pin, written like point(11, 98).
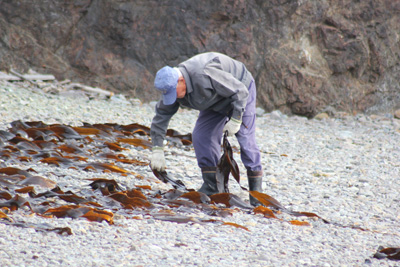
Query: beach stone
point(321, 116)
point(397, 114)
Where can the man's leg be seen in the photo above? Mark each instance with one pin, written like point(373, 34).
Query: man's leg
point(206, 139)
point(249, 151)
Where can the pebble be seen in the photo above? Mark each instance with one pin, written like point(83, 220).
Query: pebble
point(397, 114)
point(344, 168)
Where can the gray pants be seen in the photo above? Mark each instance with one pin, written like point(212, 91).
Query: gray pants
point(207, 135)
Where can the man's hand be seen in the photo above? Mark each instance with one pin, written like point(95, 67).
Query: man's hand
point(232, 126)
point(158, 159)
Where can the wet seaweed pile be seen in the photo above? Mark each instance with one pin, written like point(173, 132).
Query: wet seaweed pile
point(98, 148)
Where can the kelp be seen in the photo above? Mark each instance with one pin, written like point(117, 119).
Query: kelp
point(130, 202)
point(268, 213)
point(106, 167)
point(300, 223)
point(390, 253)
point(136, 142)
point(4, 216)
point(134, 128)
point(13, 171)
point(229, 200)
point(114, 146)
point(106, 186)
point(236, 225)
point(64, 132)
point(164, 177)
point(75, 211)
point(122, 158)
point(226, 166)
point(5, 195)
point(196, 197)
point(58, 161)
point(15, 203)
point(50, 144)
point(41, 227)
point(101, 148)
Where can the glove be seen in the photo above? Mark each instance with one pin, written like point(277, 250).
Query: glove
point(232, 126)
point(157, 159)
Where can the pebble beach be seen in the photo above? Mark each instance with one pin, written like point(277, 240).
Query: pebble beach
point(344, 168)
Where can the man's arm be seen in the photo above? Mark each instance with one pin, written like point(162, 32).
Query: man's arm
point(160, 122)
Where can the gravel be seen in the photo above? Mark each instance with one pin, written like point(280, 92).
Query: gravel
point(345, 168)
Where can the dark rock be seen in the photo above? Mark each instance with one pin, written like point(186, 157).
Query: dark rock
point(305, 55)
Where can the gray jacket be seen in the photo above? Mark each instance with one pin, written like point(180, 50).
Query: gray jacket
point(213, 82)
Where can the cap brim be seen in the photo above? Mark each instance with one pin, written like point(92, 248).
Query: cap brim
point(169, 98)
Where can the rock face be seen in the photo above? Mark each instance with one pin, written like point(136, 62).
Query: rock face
point(306, 56)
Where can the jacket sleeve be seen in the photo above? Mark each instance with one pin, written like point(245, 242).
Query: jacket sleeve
point(228, 86)
point(160, 122)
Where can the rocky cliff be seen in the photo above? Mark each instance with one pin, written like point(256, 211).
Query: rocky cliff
point(306, 56)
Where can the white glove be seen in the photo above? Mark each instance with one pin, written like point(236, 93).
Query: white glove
point(232, 126)
point(158, 159)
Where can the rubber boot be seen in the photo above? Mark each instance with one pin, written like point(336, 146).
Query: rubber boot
point(209, 186)
point(255, 184)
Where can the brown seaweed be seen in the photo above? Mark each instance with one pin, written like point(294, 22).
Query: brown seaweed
point(229, 200)
point(75, 211)
point(236, 225)
point(226, 166)
point(100, 147)
point(41, 227)
point(15, 203)
point(391, 253)
point(106, 186)
point(164, 177)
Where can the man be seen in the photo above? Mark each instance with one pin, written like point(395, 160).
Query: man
point(224, 92)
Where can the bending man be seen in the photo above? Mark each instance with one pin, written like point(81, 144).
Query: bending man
point(224, 92)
